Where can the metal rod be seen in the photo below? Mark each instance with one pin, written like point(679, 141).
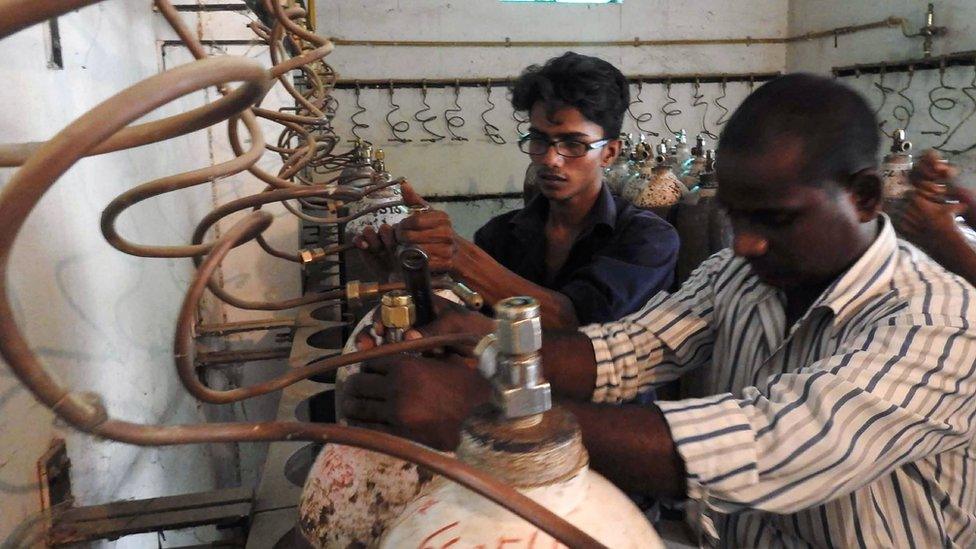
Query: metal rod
point(247, 326)
point(237, 6)
point(472, 197)
point(241, 42)
point(958, 59)
point(480, 82)
point(636, 42)
point(232, 357)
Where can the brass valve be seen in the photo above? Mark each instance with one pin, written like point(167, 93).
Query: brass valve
point(312, 255)
point(397, 310)
point(357, 292)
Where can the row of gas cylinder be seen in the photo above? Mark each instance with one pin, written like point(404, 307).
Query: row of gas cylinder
point(678, 183)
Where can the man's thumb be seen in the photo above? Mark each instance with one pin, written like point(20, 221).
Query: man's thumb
point(410, 196)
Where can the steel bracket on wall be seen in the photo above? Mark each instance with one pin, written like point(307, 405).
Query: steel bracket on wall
point(223, 508)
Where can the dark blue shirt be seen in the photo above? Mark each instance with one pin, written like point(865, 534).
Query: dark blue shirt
point(622, 257)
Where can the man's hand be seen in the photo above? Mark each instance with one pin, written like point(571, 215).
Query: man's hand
point(928, 221)
point(430, 230)
point(378, 249)
point(422, 399)
point(451, 318)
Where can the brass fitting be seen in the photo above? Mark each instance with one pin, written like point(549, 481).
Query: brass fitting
point(397, 310)
point(312, 255)
point(472, 299)
point(357, 292)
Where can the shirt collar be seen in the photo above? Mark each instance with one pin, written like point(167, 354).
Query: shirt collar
point(870, 276)
point(603, 212)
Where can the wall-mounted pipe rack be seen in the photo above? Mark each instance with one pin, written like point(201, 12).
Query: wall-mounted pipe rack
point(401, 83)
point(636, 42)
point(962, 58)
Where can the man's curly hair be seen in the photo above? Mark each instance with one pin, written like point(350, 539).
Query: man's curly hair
point(593, 86)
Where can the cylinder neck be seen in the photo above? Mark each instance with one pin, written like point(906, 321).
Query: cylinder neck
point(525, 454)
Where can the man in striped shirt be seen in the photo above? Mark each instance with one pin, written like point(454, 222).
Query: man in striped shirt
point(839, 360)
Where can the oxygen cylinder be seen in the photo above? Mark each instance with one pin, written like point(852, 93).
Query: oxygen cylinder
point(522, 439)
point(658, 188)
point(894, 173)
point(615, 175)
point(680, 152)
point(695, 166)
point(351, 495)
point(702, 225)
point(360, 172)
point(389, 215)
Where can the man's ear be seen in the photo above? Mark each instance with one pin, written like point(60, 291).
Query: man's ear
point(610, 152)
point(866, 193)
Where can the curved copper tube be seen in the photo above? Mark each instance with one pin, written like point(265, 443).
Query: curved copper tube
point(278, 116)
point(257, 200)
point(184, 345)
point(20, 14)
point(15, 154)
point(85, 411)
point(172, 183)
point(274, 45)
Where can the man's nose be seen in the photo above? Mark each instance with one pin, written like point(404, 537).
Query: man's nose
point(749, 244)
point(551, 158)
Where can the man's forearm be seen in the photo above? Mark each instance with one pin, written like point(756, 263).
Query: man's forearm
point(569, 364)
point(632, 446)
point(482, 273)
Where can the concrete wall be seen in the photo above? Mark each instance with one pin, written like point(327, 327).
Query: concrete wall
point(478, 165)
point(103, 320)
point(891, 45)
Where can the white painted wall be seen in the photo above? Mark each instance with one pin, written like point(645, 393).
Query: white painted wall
point(479, 166)
point(102, 320)
point(891, 45)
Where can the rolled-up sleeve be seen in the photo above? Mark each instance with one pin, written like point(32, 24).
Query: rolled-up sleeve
point(670, 336)
point(901, 390)
point(624, 275)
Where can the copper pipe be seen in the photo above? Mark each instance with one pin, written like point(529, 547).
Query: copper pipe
point(211, 330)
point(636, 42)
point(55, 157)
point(209, 359)
point(85, 411)
point(15, 154)
point(167, 184)
point(273, 50)
point(184, 347)
point(279, 116)
point(20, 14)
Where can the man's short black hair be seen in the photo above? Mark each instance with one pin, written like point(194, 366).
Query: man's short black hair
point(837, 128)
point(593, 86)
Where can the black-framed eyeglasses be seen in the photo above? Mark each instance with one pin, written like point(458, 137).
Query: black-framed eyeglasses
point(570, 148)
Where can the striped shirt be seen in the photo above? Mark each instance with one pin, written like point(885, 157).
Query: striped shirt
point(852, 428)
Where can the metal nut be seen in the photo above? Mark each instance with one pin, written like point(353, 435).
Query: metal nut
point(357, 292)
point(397, 310)
point(311, 255)
point(519, 336)
point(517, 402)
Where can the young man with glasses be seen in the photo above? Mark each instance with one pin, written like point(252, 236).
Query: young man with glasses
point(586, 255)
